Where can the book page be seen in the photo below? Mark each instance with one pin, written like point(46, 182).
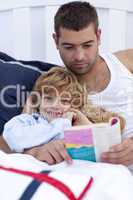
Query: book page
point(80, 144)
point(106, 136)
point(88, 142)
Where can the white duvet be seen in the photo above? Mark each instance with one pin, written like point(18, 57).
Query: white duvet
point(111, 182)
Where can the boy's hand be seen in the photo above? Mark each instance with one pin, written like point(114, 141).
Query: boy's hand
point(69, 115)
point(80, 118)
point(52, 152)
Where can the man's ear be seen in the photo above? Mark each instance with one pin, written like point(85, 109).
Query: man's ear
point(99, 36)
point(55, 37)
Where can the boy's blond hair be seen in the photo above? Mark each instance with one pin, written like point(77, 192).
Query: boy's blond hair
point(65, 81)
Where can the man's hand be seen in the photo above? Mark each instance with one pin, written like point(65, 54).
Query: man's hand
point(120, 154)
point(52, 152)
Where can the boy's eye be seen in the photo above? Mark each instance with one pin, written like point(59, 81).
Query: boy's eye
point(48, 98)
point(65, 101)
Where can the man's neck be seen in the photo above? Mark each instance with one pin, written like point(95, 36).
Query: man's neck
point(97, 78)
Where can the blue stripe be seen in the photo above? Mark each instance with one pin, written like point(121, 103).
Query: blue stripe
point(31, 188)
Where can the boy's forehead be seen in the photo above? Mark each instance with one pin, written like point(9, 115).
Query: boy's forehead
point(54, 91)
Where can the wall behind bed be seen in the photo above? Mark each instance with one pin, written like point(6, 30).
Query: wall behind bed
point(26, 27)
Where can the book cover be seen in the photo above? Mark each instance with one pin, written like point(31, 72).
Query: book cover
point(89, 141)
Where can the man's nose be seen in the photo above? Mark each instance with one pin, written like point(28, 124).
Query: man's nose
point(79, 54)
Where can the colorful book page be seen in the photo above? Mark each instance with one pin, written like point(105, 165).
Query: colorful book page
point(82, 153)
point(79, 144)
point(80, 136)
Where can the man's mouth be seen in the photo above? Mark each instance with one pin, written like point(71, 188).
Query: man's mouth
point(79, 65)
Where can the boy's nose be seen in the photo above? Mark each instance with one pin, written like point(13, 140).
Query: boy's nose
point(57, 104)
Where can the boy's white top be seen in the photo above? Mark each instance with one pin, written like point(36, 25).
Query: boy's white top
point(118, 95)
point(26, 131)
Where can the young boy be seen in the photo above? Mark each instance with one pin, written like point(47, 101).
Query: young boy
point(57, 102)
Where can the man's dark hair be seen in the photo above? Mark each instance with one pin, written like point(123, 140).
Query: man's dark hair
point(75, 16)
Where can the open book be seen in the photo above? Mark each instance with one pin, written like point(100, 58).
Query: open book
point(89, 141)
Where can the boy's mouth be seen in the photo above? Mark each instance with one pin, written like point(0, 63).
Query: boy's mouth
point(55, 114)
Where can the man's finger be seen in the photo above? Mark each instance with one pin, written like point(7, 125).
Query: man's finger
point(116, 155)
point(123, 161)
point(121, 147)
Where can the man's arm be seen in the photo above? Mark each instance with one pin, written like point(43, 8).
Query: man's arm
point(126, 57)
point(122, 153)
point(4, 146)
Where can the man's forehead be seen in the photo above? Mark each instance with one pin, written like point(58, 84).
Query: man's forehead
point(76, 37)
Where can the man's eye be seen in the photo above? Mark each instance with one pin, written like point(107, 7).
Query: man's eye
point(68, 47)
point(87, 46)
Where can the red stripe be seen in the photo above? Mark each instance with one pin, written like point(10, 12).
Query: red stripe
point(87, 187)
point(52, 181)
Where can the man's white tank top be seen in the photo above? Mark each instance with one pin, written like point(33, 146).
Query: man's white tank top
point(118, 95)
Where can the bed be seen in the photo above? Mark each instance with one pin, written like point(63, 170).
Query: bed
point(23, 177)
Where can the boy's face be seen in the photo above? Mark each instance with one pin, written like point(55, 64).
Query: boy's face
point(55, 105)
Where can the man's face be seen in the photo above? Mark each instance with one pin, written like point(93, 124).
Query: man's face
point(78, 49)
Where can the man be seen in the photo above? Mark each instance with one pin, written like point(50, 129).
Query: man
point(108, 77)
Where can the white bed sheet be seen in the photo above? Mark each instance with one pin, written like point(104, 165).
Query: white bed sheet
point(111, 182)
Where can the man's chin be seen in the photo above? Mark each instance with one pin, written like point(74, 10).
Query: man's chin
point(80, 71)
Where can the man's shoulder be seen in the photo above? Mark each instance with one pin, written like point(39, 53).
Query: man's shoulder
point(126, 57)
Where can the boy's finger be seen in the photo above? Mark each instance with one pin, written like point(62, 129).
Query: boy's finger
point(66, 156)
